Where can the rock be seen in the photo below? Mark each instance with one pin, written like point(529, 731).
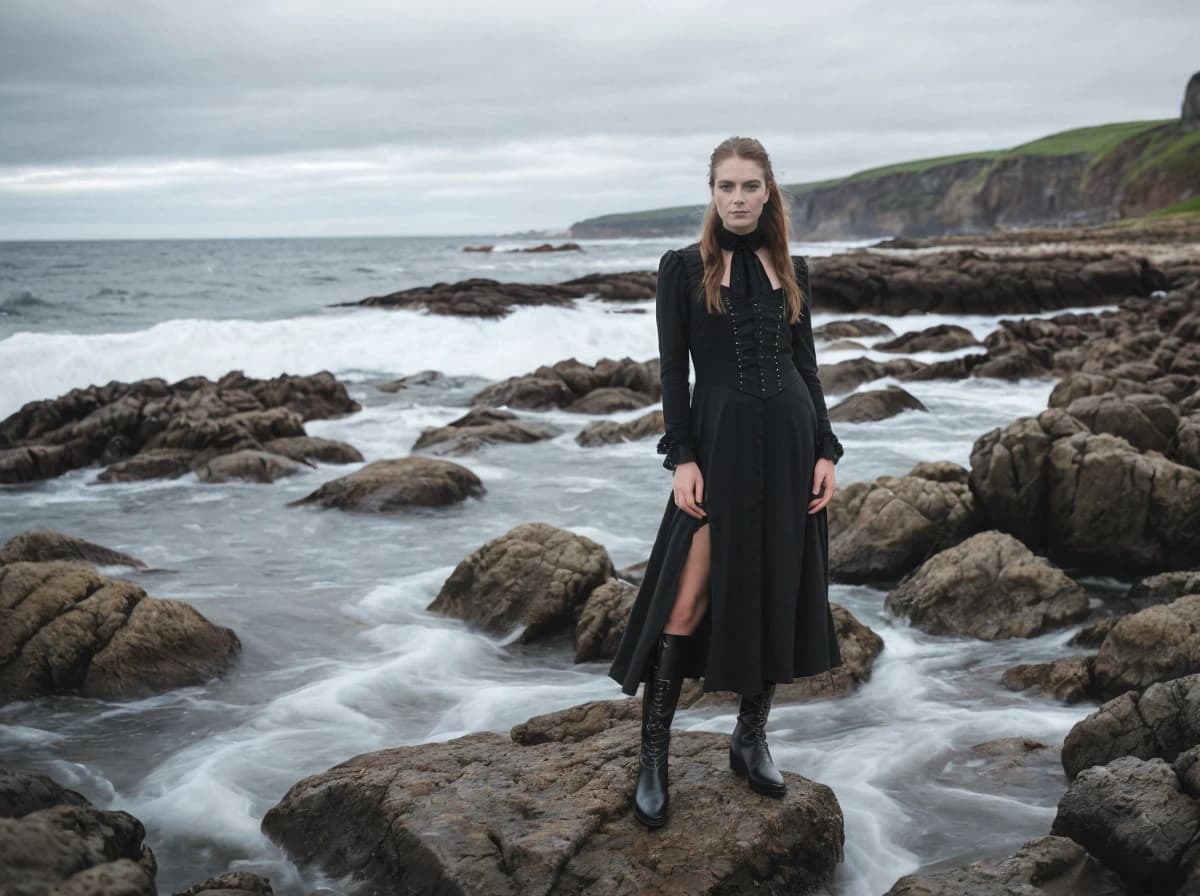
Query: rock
point(1184, 447)
point(882, 529)
point(1189, 116)
point(182, 423)
point(473, 297)
point(232, 883)
point(1133, 816)
point(248, 466)
point(620, 385)
point(1146, 421)
point(1156, 644)
point(950, 369)
point(1162, 721)
point(1067, 679)
point(64, 628)
point(1074, 386)
point(421, 378)
point(535, 578)
point(623, 286)
point(1162, 588)
point(854, 328)
point(555, 817)
point(846, 376)
point(609, 432)
point(602, 620)
point(1094, 633)
point(1055, 485)
point(310, 448)
point(1048, 866)
point(52, 841)
point(634, 573)
point(389, 485)
point(938, 338)
point(876, 404)
point(43, 545)
point(989, 586)
point(480, 427)
point(579, 722)
point(940, 471)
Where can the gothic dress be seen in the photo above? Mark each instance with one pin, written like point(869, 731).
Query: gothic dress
point(756, 424)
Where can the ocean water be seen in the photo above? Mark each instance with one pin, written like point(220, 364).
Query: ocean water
point(339, 655)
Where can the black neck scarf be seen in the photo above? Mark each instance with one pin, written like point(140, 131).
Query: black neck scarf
point(743, 246)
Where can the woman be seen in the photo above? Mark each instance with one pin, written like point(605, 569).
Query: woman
point(736, 587)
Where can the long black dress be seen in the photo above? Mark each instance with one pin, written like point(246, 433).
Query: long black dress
point(756, 424)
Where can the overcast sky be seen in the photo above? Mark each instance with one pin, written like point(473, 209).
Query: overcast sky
point(347, 117)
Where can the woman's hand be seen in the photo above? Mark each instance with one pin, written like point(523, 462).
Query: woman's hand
point(689, 489)
point(823, 479)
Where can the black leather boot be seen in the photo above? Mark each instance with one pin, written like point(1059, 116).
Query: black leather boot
point(749, 755)
point(660, 695)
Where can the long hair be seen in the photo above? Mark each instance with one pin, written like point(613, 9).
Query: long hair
point(773, 224)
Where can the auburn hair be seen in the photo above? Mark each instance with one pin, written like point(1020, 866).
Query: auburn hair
point(773, 224)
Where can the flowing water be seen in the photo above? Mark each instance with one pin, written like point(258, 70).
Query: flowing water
point(339, 654)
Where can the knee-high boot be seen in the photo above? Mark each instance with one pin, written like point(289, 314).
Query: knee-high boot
point(749, 755)
point(660, 695)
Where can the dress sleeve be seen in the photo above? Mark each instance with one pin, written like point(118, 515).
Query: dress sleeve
point(804, 355)
point(671, 312)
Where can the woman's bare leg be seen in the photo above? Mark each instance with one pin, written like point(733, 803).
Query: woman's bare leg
point(691, 600)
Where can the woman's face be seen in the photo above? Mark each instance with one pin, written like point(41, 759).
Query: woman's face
point(740, 192)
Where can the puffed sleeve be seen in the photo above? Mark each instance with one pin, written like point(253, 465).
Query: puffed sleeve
point(804, 355)
point(671, 312)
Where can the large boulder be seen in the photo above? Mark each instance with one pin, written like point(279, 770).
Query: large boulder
point(989, 586)
point(881, 530)
point(938, 338)
point(53, 841)
point(1152, 645)
point(396, 484)
point(875, 404)
point(481, 427)
point(621, 385)
point(535, 578)
point(608, 432)
point(1146, 420)
point(43, 545)
point(483, 814)
point(1047, 866)
point(64, 628)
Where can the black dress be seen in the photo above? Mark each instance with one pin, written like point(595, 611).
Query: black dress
point(756, 424)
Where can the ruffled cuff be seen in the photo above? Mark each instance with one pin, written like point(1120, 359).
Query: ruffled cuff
point(677, 452)
point(830, 448)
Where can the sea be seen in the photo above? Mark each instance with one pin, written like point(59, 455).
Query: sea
point(340, 656)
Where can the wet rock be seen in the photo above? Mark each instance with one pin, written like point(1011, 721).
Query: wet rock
point(389, 485)
point(609, 432)
point(479, 428)
point(951, 369)
point(602, 620)
point(248, 466)
point(1163, 588)
point(1048, 866)
point(1146, 421)
point(579, 722)
point(1162, 721)
point(535, 578)
point(474, 297)
point(882, 529)
point(876, 404)
point(1094, 633)
point(940, 471)
point(421, 378)
point(621, 286)
point(1153, 645)
point(43, 545)
point(556, 817)
point(567, 384)
point(1133, 815)
point(22, 792)
point(304, 449)
point(989, 586)
point(153, 463)
point(1184, 447)
point(938, 338)
point(846, 376)
point(1068, 679)
point(232, 883)
point(854, 328)
point(186, 422)
point(68, 629)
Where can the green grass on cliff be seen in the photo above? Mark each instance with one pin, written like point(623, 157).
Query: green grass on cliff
point(1188, 206)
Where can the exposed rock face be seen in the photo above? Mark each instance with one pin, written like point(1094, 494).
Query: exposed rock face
point(608, 386)
point(938, 338)
point(608, 432)
point(1146, 421)
point(1058, 487)
point(1068, 679)
point(989, 586)
point(534, 577)
point(846, 376)
point(179, 426)
point(1048, 866)
point(66, 629)
point(556, 817)
point(1163, 721)
point(602, 620)
point(875, 404)
point(1189, 115)
point(311, 448)
point(880, 530)
point(1156, 644)
point(247, 466)
point(481, 427)
point(232, 883)
point(44, 545)
point(52, 841)
point(1163, 588)
point(389, 485)
point(854, 328)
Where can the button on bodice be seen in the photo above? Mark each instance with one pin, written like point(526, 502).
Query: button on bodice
point(757, 324)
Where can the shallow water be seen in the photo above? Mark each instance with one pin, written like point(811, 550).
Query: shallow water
point(339, 654)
